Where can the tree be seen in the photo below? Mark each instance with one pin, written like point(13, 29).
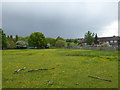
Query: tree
point(23, 38)
point(69, 40)
point(8, 36)
point(10, 42)
point(75, 41)
point(96, 39)
point(16, 38)
point(37, 39)
point(51, 41)
point(68, 44)
point(59, 38)
point(3, 39)
point(0, 38)
point(60, 43)
point(89, 37)
point(11, 36)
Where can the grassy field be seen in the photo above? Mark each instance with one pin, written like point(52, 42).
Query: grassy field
point(71, 68)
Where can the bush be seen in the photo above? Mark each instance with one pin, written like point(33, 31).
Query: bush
point(60, 43)
point(21, 44)
point(10, 43)
point(105, 45)
point(72, 44)
point(51, 41)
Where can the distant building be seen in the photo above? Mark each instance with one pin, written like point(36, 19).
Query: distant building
point(113, 41)
point(81, 40)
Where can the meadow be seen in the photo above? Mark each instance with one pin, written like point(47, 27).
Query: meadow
point(70, 68)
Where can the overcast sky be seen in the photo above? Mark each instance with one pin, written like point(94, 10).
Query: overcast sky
point(65, 19)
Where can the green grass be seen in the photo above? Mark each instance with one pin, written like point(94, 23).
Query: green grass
point(72, 67)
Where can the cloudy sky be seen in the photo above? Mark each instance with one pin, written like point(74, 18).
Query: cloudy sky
point(65, 19)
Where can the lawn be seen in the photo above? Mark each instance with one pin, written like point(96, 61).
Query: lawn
point(71, 68)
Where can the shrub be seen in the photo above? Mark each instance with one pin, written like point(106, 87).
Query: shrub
point(60, 43)
point(105, 45)
point(21, 44)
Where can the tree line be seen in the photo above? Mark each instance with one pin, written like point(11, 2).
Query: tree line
point(39, 40)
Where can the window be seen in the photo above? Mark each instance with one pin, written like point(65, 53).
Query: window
point(111, 41)
point(115, 41)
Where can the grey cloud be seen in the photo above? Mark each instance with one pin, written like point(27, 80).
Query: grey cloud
point(69, 20)
point(0, 15)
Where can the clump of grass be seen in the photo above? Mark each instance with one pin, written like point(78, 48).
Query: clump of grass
point(30, 54)
point(85, 62)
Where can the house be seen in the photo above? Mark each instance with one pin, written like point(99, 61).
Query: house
point(81, 41)
point(113, 41)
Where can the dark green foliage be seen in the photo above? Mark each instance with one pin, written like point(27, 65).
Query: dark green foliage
point(68, 44)
point(0, 39)
point(96, 39)
point(72, 40)
point(8, 36)
point(59, 38)
point(11, 36)
point(69, 40)
point(75, 41)
point(37, 39)
point(89, 38)
point(3, 39)
point(16, 38)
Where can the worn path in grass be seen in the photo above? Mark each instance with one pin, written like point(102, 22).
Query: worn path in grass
point(72, 67)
